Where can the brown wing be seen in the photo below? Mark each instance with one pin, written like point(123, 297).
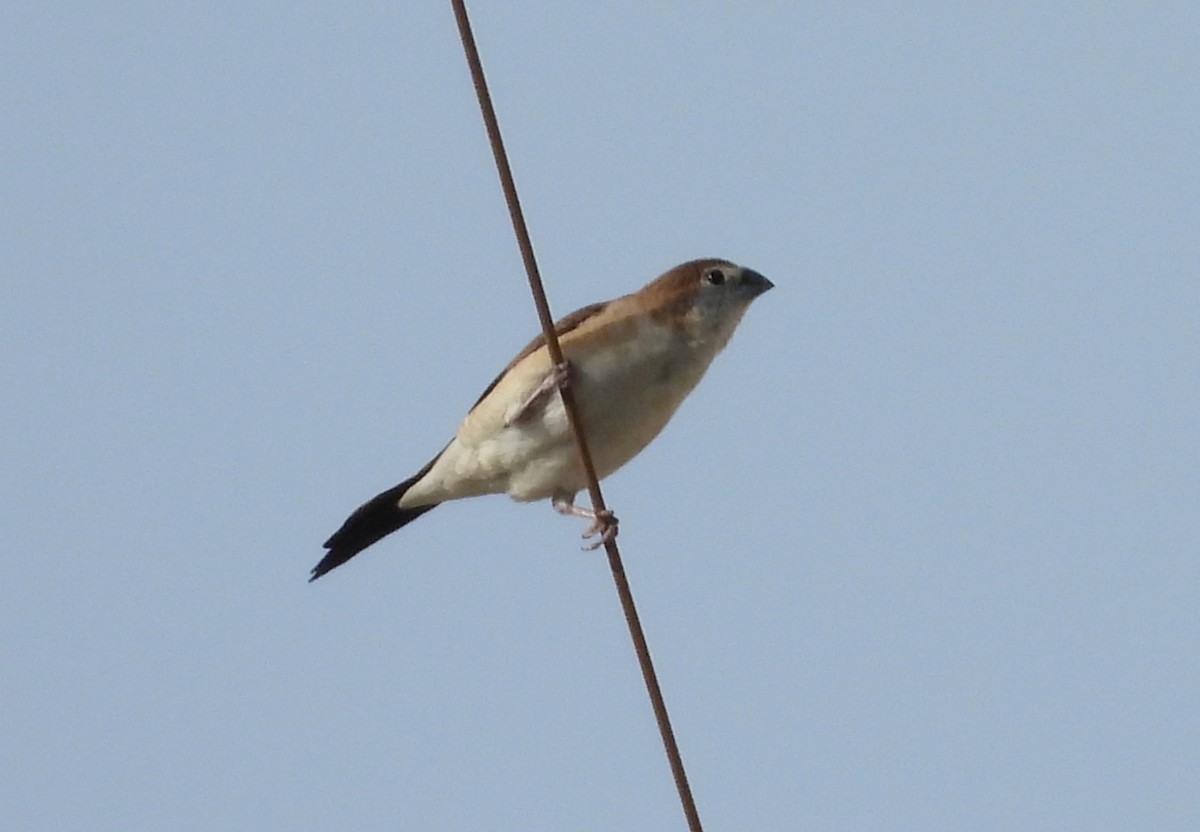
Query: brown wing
point(561, 328)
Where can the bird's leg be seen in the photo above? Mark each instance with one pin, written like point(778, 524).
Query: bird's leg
point(558, 378)
point(604, 523)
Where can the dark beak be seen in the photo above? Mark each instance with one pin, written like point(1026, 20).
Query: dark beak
point(755, 283)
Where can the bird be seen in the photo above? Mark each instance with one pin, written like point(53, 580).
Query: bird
point(629, 362)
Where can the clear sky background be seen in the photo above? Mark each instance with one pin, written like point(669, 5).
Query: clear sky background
point(922, 552)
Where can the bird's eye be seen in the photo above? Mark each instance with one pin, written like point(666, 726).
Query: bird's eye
point(715, 277)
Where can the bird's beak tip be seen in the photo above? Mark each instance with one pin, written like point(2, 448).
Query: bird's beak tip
point(756, 280)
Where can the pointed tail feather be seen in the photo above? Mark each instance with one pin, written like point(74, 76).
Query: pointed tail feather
point(370, 523)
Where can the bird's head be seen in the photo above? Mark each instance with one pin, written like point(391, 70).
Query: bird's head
point(706, 298)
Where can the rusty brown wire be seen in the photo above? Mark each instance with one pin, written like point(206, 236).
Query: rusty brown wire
point(585, 457)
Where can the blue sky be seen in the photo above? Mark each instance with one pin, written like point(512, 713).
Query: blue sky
point(920, 552)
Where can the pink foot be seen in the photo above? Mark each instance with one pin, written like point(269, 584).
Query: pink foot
point(604, 523)
point(556, 380)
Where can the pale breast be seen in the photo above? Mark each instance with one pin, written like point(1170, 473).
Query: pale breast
point(627, 395)
point(628, 381)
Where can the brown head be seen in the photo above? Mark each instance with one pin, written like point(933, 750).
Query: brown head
point(705, 298)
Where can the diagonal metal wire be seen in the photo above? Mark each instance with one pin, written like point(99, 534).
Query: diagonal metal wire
point(585, 457)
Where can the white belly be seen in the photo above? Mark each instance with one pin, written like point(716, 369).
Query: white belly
point(626, 394)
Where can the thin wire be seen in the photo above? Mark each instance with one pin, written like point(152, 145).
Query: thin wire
point(585, 457)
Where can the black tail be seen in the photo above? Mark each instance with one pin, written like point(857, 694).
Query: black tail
point(370, 523)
